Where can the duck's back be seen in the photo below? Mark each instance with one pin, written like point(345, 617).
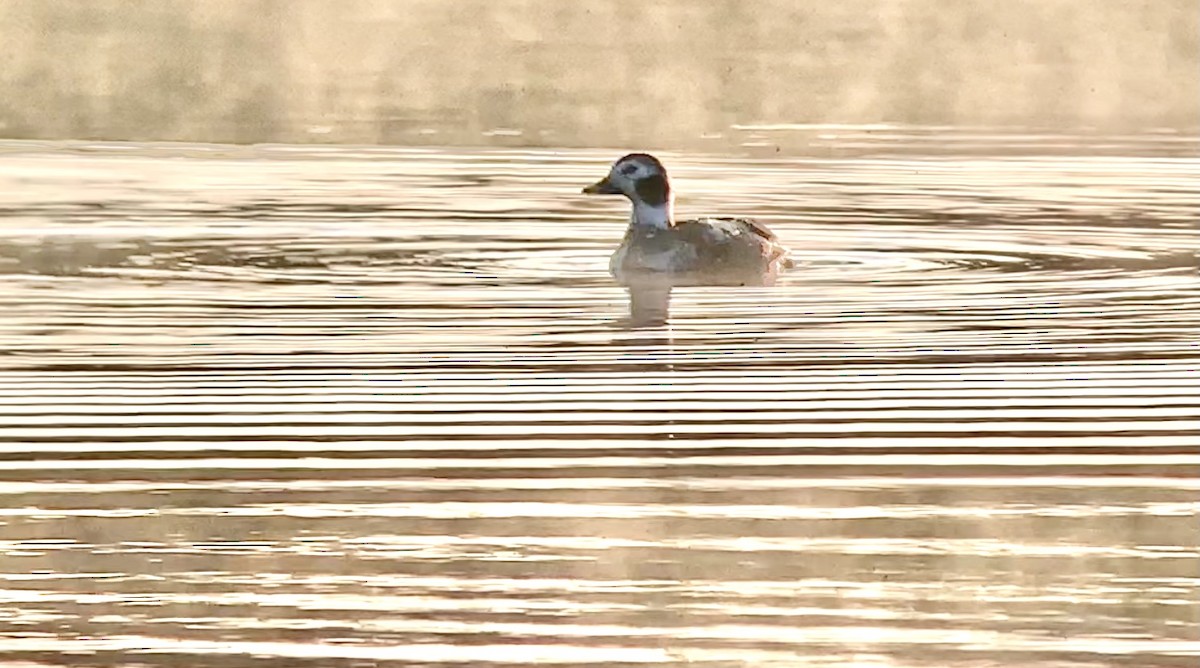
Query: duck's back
point(704, 245)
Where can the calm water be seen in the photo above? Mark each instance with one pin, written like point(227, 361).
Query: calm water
point(349, 407)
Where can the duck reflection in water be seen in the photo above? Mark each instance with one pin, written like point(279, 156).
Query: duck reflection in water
point(659, 252)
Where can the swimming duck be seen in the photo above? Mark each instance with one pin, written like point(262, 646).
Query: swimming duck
point(657, 243)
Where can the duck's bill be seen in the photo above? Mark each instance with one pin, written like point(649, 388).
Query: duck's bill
point(602, 187)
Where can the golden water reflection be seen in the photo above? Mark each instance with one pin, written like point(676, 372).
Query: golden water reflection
point(277, 407)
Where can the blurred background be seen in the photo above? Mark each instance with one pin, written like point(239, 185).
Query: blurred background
point(675, 73)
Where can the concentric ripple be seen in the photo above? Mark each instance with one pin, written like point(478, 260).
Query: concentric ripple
point(284, 406)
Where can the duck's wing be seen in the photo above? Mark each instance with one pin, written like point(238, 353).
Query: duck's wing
point(716, 228)
point(757, 228)
point(730, 243)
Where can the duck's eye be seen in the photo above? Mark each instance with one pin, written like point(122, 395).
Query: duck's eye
point(628, 170)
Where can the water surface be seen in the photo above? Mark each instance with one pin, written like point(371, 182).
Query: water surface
point(337, 406)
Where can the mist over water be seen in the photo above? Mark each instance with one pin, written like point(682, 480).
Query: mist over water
point(674, 74)
point(318, 401)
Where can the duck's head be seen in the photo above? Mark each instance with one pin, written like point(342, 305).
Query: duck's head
point(638, 176)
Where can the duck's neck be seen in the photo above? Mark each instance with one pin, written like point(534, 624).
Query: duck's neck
point(653, 204)
point(652, 217)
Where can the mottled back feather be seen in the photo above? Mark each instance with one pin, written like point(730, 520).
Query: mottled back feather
point(706, 244)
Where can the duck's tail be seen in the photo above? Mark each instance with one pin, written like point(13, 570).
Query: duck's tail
point(784, 257)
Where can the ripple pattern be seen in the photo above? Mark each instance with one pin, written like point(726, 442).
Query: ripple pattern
point(340, 407)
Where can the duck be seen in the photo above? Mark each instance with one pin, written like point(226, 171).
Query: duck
point(655, 243)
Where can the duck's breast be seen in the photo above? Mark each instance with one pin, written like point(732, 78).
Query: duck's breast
point(633, 255)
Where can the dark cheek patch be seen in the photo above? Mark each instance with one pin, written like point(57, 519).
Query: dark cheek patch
point(652, 190)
